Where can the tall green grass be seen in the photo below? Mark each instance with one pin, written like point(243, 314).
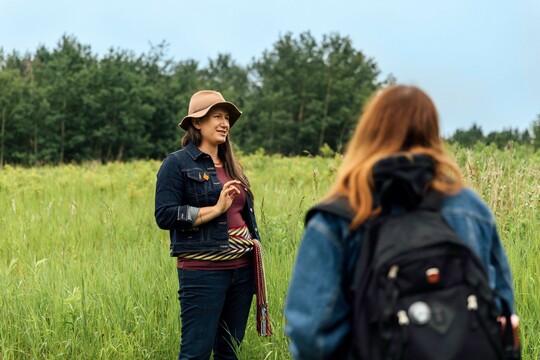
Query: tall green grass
point(85, 272)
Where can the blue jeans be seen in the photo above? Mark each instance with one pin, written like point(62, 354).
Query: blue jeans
point(214, 306)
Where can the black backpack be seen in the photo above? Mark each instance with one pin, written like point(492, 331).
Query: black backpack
point(418, 291)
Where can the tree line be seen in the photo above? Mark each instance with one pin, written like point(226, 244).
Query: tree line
point(66, 104)
point(69, 105)
point(501, 139)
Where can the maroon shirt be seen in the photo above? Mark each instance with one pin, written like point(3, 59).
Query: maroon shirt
point(234, 214)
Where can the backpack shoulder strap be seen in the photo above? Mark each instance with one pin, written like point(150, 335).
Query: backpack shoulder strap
point(432, 201)
point(338, 206)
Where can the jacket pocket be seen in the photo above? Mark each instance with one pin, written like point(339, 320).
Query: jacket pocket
point(198, 185)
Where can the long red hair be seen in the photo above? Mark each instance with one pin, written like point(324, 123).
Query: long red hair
point(397, 120)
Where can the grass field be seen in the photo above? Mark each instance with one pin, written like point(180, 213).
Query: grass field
point(85, 272)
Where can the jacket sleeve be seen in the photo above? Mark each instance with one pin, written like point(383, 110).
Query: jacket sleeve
point(316, 309)
point(169, 211)
point(474, 222)
point(503, 277)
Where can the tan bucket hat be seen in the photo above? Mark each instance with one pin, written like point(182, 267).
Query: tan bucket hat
point(202, 101)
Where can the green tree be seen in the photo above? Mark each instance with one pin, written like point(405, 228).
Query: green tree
point(120, 111)
point(468, 138)
point(526, 137)
point(11, 91)
point(34, 109)
point(161, 93)
point(350, 78)
point(225, 75)
point(502, 138)
point(62, 75)
point(306, 94)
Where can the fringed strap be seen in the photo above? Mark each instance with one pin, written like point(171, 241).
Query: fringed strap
point(264, 328)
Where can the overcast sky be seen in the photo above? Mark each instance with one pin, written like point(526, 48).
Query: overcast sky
point(479, 60)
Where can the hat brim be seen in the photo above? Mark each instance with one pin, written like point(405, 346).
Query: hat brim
point(234, 114)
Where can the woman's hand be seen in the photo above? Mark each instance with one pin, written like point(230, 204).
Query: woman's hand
point(227, 195)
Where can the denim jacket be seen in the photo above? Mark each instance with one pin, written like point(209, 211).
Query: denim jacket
point(186, 179)
point(317, 311)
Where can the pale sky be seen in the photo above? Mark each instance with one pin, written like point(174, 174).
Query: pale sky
point(479, 60)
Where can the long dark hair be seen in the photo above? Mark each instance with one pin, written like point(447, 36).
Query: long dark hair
point(233, 169)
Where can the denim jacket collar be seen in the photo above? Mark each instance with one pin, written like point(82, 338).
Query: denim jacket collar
point(193, 151)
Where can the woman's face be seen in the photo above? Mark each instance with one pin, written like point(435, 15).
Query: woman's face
point(214, 126)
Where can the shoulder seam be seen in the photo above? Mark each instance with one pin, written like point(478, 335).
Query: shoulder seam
point(461, 212)
point(325, 230)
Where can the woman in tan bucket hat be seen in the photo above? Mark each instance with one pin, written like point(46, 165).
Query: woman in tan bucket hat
point(204, 199)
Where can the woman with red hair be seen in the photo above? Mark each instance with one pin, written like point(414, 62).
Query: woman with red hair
point(398, 125)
